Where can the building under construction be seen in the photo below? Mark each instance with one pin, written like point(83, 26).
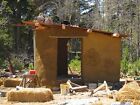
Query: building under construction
point(100, 53)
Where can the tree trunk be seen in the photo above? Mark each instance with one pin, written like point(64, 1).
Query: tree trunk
point(10, 66)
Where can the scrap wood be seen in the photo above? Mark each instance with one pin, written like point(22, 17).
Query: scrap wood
point(79, 88)
point(71, 83)
point(104, 86)
point(70, 70)
point(75, 87)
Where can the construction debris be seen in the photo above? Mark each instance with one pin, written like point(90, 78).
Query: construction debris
point(103, 88)
point(73, 87)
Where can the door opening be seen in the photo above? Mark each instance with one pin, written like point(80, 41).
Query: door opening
point(69, 57)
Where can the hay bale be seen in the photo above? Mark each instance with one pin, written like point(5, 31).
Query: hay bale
point(11, 82)
point(129, 92)
point(1, 82)
point(136, 102)
point(30, 95)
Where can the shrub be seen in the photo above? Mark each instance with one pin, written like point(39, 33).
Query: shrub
point(75, 64)
point(17, 64)
point(131, 68)
point(31, 66)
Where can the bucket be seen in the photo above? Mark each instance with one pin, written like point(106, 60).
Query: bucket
point(64, 88)
point(32, 71)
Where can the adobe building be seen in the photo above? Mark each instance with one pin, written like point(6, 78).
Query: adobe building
point(100, 53)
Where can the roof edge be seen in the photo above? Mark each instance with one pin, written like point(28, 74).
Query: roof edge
point(37, 24)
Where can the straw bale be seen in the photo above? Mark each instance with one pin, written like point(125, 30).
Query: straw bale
point(11, 82)
point(136, 102)
point(129, 92)
point(1, 82)
point(30, 95)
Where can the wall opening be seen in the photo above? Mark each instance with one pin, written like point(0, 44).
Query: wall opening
point(69, 57)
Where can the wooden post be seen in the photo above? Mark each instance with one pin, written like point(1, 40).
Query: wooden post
point(34, 46)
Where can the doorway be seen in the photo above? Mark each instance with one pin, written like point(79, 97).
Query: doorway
point(69, 57)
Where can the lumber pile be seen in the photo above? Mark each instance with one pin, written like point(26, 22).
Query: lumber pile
point(11, 82)
point(71, 87)
point(30, 95)
point(129, 92)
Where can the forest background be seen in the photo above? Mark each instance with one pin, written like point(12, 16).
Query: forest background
point(123, 16)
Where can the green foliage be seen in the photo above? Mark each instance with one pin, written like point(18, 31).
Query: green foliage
point(31, 66)
point(11, 38)
point(5, 39)
point(124, 66)
point(128, 67)
point(75, 64)
point(17, 64)
point(5, 42)
point(125, 61)
point(134, 68)
point(3, 64)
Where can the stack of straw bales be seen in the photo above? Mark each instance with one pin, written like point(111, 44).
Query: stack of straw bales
point(11, 82)
point(129, 92)
point(30, 95)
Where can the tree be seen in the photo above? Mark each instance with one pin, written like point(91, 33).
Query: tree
point(13, 12)
point(5, 45)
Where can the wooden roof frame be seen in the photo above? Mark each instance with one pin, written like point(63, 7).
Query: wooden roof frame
point(83, 31)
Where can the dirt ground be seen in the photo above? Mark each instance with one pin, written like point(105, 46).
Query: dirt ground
point(80, 98)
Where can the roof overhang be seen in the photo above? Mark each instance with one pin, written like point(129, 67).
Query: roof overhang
point(65, 31)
